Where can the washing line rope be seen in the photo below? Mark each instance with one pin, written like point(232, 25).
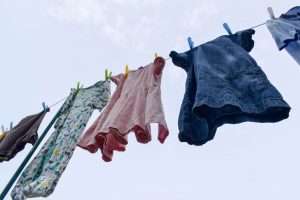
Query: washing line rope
point(258, 25)
point(164, 59)
point(54, 104)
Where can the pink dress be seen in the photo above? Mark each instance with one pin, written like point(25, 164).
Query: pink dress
point(134, 105)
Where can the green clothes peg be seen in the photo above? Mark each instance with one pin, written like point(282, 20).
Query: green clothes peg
point(106, 74)
point(78, 87)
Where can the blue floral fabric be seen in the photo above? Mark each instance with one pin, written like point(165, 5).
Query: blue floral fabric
point(286, 32)
point(224, 85)
point(42, 174)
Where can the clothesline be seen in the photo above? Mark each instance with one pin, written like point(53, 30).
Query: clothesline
point(258, 25)
point(275, 109)
point(54, 104)
point(164, 59)
point(23, 164)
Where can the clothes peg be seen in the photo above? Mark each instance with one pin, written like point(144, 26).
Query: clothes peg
point(225, 25)
point(2, 129)
point(271, 13)
point(126, 70)
point(110, 73)
point(79, 87)
point(155, 55)
point(106, 74)
point(191, 43)
point(11, 126)
point(44, 106)
point(2, 135)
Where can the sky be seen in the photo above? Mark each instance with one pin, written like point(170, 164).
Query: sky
point(46, 47)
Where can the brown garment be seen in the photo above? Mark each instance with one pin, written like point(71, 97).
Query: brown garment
point(24, 132)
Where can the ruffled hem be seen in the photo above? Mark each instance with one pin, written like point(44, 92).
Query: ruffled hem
point(114, 140)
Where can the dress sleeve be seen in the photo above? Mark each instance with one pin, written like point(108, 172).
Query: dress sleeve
point(182, 60)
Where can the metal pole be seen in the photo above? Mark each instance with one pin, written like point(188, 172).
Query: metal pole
point(27, 158)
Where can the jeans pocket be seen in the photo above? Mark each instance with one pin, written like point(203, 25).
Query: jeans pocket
point(247, 81)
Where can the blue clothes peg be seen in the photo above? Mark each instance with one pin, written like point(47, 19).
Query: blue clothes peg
point(225, 25)
point(191, 43)
point(2, 129)
point(11, 126)
point(44, 106)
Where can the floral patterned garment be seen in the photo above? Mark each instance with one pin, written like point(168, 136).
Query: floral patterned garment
point(42, 174)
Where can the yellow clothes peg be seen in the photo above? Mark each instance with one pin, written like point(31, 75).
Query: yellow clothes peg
point(155, 55)
point(126, 70)
point(2, 136)
point(3, 132)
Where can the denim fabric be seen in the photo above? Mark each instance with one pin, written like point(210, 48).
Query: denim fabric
point(224, 85)
point(286, 32)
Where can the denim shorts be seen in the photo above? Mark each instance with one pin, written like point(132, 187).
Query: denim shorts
point(224, 85)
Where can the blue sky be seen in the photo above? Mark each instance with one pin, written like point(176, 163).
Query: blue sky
point(46, 47)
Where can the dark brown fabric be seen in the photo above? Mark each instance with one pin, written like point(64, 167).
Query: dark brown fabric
point(24, 132)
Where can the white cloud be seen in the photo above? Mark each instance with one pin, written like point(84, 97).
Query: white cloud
point(113, 21)
point(76, 11)
point(200, 14)
point(110, 18)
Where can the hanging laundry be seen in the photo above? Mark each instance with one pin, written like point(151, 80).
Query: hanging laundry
point(224, 85)
point(286, 32)
point(134, 105)
point(42, 174)
point(24, 132)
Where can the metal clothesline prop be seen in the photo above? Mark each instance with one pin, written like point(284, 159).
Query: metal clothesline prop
point(27, 158)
